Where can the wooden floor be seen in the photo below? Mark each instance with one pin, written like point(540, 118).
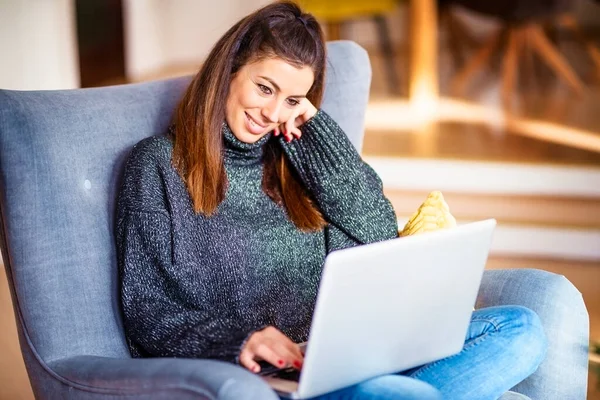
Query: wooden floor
point(14, 383)
point(472, 142)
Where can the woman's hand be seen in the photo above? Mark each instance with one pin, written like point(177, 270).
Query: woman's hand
point(301, 113)
point(271, 345)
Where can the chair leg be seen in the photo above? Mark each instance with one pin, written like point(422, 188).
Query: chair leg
point(553, 58)
point(459, 35)
point(460, 30)
point(509, 65)
point(529, 69)
point(445, 19)
point(481, 57)
point(570, 22)
point(388, 52)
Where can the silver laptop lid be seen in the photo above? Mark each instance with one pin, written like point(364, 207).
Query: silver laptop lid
point(393, 305)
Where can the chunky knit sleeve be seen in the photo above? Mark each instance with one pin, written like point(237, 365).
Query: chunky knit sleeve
point(347, 190)
point(158, 320)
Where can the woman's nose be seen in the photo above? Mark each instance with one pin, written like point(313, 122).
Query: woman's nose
point(271, 111)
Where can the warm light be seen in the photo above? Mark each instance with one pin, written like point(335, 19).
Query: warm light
point(424, 104)
point(402, 115)
point(423, 85)
point(551, 132)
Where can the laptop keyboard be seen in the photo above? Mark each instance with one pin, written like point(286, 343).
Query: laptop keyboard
point(289, 374)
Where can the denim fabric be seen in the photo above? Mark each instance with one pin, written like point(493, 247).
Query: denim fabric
point(564, 372)
point(61, 158)
point(387, 387)
point(504, 345)
point(513, 396)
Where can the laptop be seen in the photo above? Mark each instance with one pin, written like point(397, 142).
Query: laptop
point(389, 306)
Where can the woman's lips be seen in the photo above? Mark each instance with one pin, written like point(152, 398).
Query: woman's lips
point(253, 126)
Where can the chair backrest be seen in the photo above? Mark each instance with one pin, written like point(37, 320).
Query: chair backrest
point(61, 157)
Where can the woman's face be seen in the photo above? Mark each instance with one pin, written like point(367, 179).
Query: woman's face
point(263, 95)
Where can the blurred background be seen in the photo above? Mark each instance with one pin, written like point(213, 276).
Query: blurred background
point(496, 104)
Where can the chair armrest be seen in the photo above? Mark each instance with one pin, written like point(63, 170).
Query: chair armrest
point(96, 377)
point(560, 306)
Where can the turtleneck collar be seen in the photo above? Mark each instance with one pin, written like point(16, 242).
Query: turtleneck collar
point(238, 152)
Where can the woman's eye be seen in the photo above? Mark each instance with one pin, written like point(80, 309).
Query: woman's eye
point(264, 89)
point(293, 102)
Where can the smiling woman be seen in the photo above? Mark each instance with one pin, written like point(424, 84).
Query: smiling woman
point(264, 75)
point(223, 225)
point(265, 94)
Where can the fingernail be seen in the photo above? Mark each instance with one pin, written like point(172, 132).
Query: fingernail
point(297, 364)
point(256, 369)
point(280, 362)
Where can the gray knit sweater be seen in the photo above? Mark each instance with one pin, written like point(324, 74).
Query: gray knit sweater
point(196, 286)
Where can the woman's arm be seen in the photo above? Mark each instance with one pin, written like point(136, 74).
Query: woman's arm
point(157, 316)
point(347, 190)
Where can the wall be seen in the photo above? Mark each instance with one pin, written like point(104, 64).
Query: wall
point(37, 44)
point(39, 48)
point(162, 34)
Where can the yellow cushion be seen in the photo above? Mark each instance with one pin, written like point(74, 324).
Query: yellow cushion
point(432, 215)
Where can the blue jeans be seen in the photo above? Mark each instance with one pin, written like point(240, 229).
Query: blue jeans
point(504, 345)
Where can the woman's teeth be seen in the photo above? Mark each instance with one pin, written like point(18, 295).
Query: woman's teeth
point(254, 126)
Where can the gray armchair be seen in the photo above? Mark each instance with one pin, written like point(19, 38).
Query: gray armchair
point(61, 157)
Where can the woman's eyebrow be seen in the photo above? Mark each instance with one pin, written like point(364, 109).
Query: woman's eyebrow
point(276, 86)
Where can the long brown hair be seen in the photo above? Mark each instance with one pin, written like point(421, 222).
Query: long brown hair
point(277, 30)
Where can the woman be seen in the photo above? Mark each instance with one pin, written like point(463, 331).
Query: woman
point(224, 224)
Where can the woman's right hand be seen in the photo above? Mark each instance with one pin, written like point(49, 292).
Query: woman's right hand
point(271, 345)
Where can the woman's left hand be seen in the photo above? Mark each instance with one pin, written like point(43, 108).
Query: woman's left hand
point(301, 113)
